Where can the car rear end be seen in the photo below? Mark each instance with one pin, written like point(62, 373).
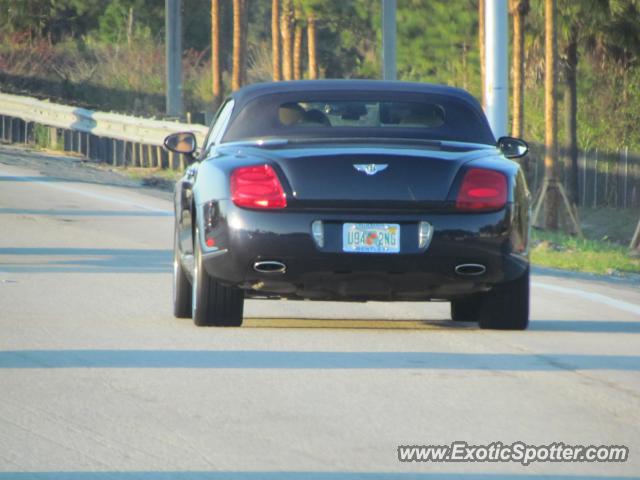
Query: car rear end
point(307, 223)
point(361, 190)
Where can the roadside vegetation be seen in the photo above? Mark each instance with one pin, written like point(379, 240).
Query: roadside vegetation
point(604, 257)
point(603, 250)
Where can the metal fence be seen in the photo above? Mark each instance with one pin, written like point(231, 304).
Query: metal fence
point(120, 140)
point(605, 179)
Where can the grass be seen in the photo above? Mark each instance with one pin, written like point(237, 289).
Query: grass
point(559, 250)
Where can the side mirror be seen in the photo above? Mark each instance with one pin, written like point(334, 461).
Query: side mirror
point(512, 147)
point(182, 142)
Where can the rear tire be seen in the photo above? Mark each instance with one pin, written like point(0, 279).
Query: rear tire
point(213, 305)
point(181, 284)
point(506, 307)
point(465, 309)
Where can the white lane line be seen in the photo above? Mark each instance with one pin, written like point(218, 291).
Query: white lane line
point(98, 196)
point(594, 297)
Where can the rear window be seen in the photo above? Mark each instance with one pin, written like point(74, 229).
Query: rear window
point(359, 115)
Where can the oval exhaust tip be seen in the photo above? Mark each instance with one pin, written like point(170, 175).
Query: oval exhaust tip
point(270, 266)
point(470, 269)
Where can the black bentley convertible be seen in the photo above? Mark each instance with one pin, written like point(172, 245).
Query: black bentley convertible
point(351, 190)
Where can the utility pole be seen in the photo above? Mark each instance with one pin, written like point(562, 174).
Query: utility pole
point(173, 42)
point(389, 39)
point(496, 82)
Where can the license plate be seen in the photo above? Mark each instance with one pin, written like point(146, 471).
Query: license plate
point(371, 237)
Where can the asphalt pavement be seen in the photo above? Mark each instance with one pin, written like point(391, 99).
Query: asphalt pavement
point(98, 380)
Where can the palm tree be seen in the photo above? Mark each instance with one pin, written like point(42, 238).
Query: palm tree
point(244, 44)
point(519, 10)
point(216, 74)
point(297, 44)
point(312, 46)
point(238, 40)
point(481, 48)
point(550, 115)
point(275, 40)
point(287, 44)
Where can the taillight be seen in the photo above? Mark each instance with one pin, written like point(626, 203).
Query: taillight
point(482, 190)
point(257, 186)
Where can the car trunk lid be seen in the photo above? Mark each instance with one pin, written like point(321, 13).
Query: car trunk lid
point(378, 177)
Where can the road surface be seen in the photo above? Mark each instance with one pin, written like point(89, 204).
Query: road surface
point(98, 380)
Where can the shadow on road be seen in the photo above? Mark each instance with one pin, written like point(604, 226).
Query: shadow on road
point(83, 213)
point(258, 359)
point(29, 179)
point(357, 324)
point(75, 177)
point(85, 260)
point(588, 326)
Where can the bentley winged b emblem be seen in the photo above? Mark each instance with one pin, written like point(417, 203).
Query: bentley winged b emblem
point(370, 168)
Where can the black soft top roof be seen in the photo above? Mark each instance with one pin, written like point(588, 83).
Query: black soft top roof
point(250, 92)
point(256, 111)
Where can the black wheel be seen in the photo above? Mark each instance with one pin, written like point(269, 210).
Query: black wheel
point(181, 285)
point(465, 309)
point(213, 305)
point(506, 307)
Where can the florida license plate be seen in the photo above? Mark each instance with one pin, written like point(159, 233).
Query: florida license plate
point(371, 237)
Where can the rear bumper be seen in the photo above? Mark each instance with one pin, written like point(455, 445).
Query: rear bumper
point(244, 237)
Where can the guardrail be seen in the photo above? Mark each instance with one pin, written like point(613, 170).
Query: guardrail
point(121, 140)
